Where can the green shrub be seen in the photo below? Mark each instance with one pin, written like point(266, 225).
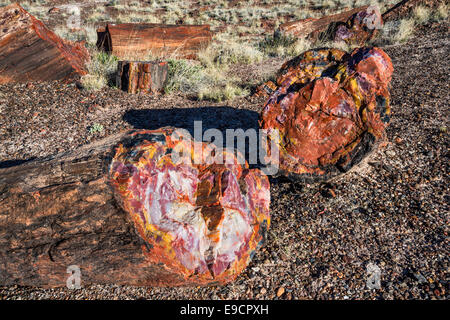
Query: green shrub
point(276, 44)
point(96, 127)
point(222, 93)
point(101, 69)
point(204, 82)
point(183, 76)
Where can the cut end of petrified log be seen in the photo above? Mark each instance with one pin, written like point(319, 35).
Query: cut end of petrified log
point(330, 108)
point(29, 51)
point(202, 221)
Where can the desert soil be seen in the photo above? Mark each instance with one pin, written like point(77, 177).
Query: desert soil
point(390, 211)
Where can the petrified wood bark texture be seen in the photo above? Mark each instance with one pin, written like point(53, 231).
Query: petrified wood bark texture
point(31, 52)
point(141, 76)
point(330, 108)
point(61, 211)
point(140, 39)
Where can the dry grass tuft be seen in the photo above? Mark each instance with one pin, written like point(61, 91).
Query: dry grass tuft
point(405, 30)
point(101, 68)
point(422, 14)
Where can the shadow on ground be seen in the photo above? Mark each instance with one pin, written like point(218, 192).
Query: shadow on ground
point(221, 118)
point(12, 163)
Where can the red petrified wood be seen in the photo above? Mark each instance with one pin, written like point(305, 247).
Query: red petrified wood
point(330, 108)
point(314, 26)
point(139, 40)
point(141, 76)
point(202, 221)
point(31, 52)
point(182, 225)
point(355, 26)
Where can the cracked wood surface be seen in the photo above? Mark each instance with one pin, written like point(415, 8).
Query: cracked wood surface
point(59, 211)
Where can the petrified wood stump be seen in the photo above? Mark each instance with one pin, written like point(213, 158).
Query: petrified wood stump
point(330, 108)
point(140, 39)
point(31, 52)
point(141, 76)
point(62, 211)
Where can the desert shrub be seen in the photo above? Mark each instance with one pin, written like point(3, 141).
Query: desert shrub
point(204, 82)
point(422, 14)
point(96, 127)
point(234, 52)
point(4, 3)
point(276, 44)
point(112, 3)
point(220, 93)
point(88, 33)
point(103, 63)
point(393, 32)
point(405, 30)
point(183, 76)
point(93, 82)
point(441, 12)
point(101, 69)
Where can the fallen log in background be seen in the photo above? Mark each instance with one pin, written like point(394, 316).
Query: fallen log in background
point(312, 27)
point(141, 76)
point(31, 52)
point(141, 39)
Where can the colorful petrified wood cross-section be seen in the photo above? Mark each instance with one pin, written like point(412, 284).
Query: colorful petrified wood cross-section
point(201, 219)
point(330, 107)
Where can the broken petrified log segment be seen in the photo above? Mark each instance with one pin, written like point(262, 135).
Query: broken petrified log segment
point(61, 211)
point(312, 27)
point(31, 52)
point(330, 109)
point(355, 26)
point(201, 221)
point(141, 76)
point(361, 27)
point(138, 40)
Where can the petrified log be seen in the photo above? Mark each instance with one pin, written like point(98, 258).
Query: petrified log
point(330, 109)
point(312, 27)
point(31, 52)
point(141, 76)
point(141, 39)
point(62, 211)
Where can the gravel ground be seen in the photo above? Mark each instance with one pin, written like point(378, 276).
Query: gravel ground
point(390, 211)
